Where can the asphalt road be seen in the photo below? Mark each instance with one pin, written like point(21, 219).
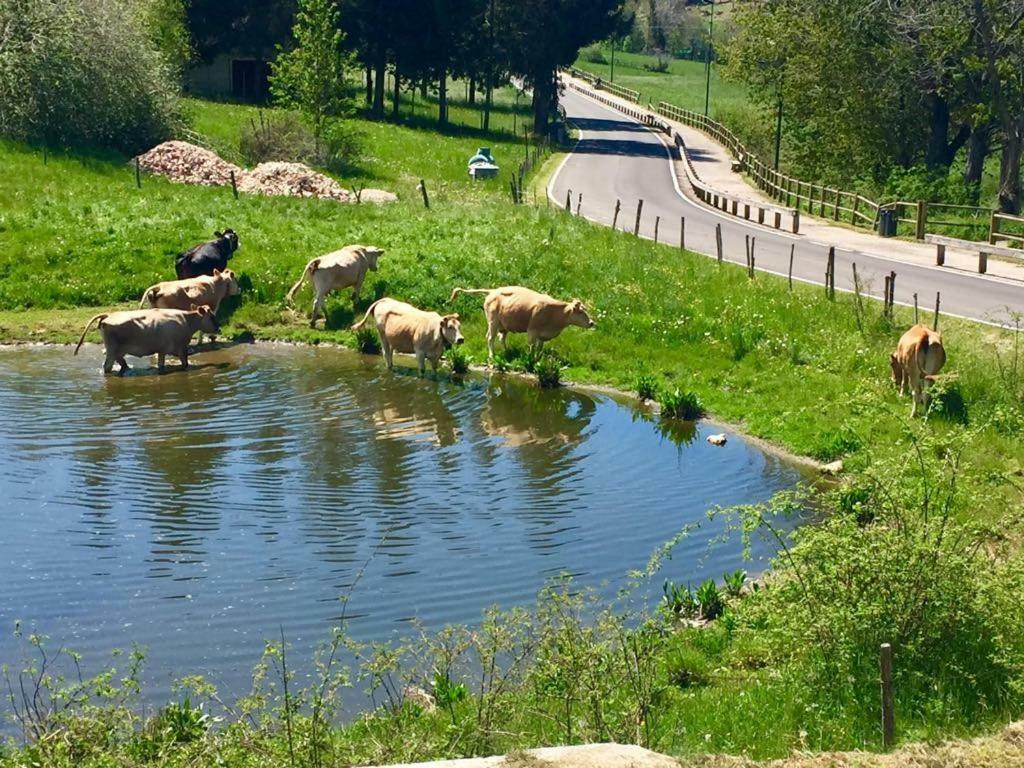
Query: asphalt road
point(618, 158)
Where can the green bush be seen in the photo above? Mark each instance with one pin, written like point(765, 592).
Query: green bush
point(709, 597)
point(593, 54)
point(367, 341)
point(646, 387)
point(548, 371)
point(282, 136)
point(678, 404)
point(84, 73)
point(458, 359)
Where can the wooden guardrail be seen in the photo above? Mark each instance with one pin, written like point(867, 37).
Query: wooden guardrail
point(736, 205)
point(622, 92)
point(998, 229)
point(983, 250)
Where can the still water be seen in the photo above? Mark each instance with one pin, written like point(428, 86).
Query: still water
point(198, 513)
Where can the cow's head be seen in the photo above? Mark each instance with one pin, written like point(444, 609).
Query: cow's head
point(228, 276)
point(578, 315)
point(451, 330)
point(371, 253)
point(230, 237)
point(207, 320)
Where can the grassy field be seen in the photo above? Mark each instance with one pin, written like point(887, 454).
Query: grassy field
point(791, 367)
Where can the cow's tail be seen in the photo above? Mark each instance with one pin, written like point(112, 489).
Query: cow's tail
point(457, 291)
point(149, 297)
point(101, 317)
point(307, 272)
point(369, 311)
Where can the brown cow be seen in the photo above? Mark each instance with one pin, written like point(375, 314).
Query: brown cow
point(514, 309)
point(144, 332)
point(203, 291)
point(336, 270)
point(919, 356)
point(404, 328)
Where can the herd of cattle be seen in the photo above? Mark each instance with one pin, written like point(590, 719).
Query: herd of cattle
point(179, 309)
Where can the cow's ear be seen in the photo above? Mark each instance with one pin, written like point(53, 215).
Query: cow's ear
point(216, 272)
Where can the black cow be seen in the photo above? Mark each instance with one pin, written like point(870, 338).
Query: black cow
point(203, 259)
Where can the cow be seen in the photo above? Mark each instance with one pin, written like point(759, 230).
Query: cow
point(514, 309)
point(144, 332)
point(337, 270)
point(203, 291)
point(204, 258)
point(918, 358)
point(404, 328)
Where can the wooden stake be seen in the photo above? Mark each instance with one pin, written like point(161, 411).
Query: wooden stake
point(888, 716)
point(935, 322)
point(792, 250)
point(423, 189)
point(682, 233)
point(885, 297)
point(639, 210)
point(718, 240)
point(753, 245)
point(615, 218)
point(892, 292)
point(579, 204)
point(568, 201)
point(657, 223)
point(916, 320)
point(234, 185)
point(138, 175)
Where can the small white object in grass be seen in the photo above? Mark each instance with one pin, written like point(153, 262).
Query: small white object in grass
point(833, 468)
point(717, 439)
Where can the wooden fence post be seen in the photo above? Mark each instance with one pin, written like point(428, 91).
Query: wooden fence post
point(830, 273)
point(888, 716)
point(885, 297)
point(935, 322)
point(423, 189)
point(615, 218)
point(922, 217)
point(682, 233)
point(792, 250)
point(750, 268)
point(982, 262)
point(568, 201)
point(138, 175)
point(853, 214)
point(718, 240)
point(639, 210)
point(892, 292)
point(234, 185)
point(835, 211)
point(916, 320)
point(940, 254)
point(579, 204)
point(796, 221)
point(657, 223)
point(993, 228)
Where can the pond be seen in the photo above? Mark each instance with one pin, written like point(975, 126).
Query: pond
point(197, 513)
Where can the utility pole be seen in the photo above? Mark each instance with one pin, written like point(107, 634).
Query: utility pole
point(707, 61)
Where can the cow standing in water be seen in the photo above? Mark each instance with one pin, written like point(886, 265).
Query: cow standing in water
point(404, 328)
point(514, 309)
point(918, 358)
point(144, 332)
point(337, 270)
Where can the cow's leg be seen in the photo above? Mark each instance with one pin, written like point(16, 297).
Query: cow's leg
point(421, 361)
point(491, 333)
point(389, 353)
point(318, 304)
point(160, 361)
point(434, 361)
point(356, 289)
point(123, 364)
point(108, 363)
point(184, 358)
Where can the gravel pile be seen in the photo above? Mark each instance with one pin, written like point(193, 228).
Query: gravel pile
point(188, 164)
point(292, 180)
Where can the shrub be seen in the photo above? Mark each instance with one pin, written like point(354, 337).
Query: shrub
point(678, 404)
point(458, 359)
point(734, 582)
point(341, 146)
point(678, 600)
point(367, 341)
point(277, 137)
point(182, 722)
point(709, 596)
point(646, 387)
point(98, 80)
point(593, 54)
point(660, 65)
point(548, 371)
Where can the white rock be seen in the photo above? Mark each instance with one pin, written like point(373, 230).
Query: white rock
point(717, 439)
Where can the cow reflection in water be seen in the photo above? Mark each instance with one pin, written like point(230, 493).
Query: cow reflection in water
point(544, 426)
point(416, 414)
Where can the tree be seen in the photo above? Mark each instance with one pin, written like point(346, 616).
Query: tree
point(311, 76)
point(223, 26)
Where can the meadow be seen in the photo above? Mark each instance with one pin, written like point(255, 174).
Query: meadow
point(788, 667)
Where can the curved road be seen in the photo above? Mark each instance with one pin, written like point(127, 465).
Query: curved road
point(618, 158)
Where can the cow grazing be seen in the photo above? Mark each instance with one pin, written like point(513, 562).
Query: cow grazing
point(404, 328)
point(514, 309)
point(144, 332)
point(203, 291)
point(335, 271)
point(918, 358)
point(204, 258)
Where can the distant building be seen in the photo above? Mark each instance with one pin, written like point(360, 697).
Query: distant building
point(231, 75)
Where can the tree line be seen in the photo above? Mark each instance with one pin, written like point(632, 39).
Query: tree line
point(877, 86)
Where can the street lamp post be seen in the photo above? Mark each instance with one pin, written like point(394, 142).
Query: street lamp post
point(707, 61)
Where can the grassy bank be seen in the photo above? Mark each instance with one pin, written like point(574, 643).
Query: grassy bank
point(903, 558)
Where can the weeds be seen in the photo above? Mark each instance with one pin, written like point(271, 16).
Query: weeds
point(646, 387)
point(459, 361)
point(548, 371)
point(679, 404)
point(367, 341)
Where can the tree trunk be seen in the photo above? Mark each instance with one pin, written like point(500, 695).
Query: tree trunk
point(938, 135)
point(544, 98)
point(977, 152)
point(380, 63)
point(442, 97)
point(472, 91)
point(1009, 172)
point(369, 85)
point(396, 99)
point(488, 100)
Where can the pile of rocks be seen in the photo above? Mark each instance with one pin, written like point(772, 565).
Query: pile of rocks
point(292, 180)
point(187, 163)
